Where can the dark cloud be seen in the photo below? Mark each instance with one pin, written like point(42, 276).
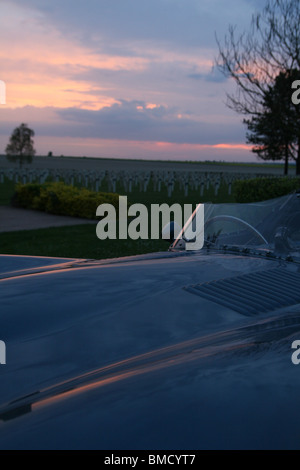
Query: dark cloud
point(126, 120)
point(133, 121)
point(215, 76)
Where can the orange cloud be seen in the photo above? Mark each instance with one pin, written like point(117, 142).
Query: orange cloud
point(232, 146)
point(204, 146)
point(151, 106)
point(59, 93)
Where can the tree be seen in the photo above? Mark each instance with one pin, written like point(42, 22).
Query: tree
point(20, 147)
point(255, 58)
point(274, 133)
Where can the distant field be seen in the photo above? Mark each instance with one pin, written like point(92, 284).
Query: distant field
point(85, 163)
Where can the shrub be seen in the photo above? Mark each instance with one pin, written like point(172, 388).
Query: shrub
point(261, 189)
point(58, 198)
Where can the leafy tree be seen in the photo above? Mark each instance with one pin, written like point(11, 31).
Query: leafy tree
point(274, 132)
point(20, 147)
point(255, 58)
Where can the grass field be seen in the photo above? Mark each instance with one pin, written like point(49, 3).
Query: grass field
point(78, 241)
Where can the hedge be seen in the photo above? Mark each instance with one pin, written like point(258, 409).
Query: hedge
point(261, 189)
point(58, 198)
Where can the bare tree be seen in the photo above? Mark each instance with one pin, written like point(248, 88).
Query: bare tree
point(255, 58)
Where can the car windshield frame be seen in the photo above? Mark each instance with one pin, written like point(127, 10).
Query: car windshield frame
point(272, 225)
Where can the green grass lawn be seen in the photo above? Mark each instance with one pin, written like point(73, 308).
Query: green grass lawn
point(78, 241)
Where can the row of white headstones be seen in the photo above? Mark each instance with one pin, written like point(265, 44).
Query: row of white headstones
point(188, 180)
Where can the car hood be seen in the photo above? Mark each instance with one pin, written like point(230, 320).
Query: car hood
point(172, 345)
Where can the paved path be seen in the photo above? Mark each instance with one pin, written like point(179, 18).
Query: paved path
point(14, 219)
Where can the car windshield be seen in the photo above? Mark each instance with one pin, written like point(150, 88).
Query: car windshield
point(273, 225)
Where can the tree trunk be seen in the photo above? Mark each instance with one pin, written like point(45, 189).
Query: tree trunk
point(286, 160)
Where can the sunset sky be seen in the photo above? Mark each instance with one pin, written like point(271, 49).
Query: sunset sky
point(121, 78)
